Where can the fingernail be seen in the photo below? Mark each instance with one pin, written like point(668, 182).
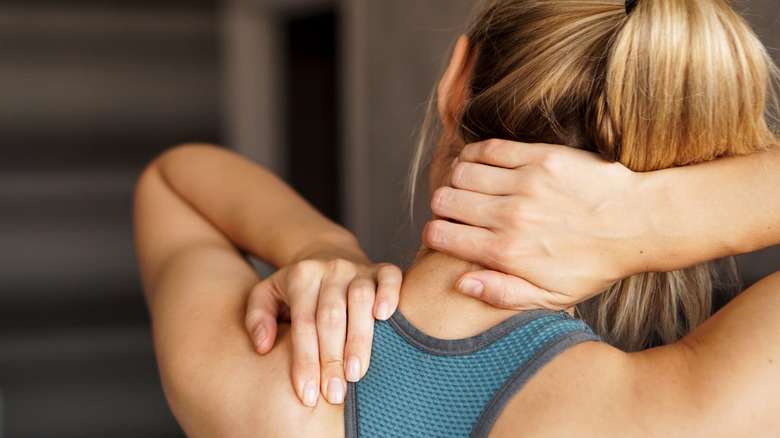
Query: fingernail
point(455, 162)
point(471, 287)
point(383, 310)
point(353, 369)
point(310, 394)
point(336, 391)
point(260, 334)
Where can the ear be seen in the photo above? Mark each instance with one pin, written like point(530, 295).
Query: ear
point(453, 88)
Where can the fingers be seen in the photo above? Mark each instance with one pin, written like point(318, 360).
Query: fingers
point(478, 245)
point(504, 153)
point(360, 327)
point(262, 311)
point(482, 178)
point(364, 304)
point(304, 285)
point(472, 208)
point(389, 278)
point(331, 329)
point(507, 291)
point(319, 294)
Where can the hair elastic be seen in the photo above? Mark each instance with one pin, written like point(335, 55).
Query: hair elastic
point(630, 5)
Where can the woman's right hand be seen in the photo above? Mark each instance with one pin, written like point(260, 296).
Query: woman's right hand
point(563, 222)
point(316, 294)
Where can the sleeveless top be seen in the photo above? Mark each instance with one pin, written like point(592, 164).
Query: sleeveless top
point(421, 386)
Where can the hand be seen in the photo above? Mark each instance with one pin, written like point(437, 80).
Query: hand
point(317, 294)
point(563, 222)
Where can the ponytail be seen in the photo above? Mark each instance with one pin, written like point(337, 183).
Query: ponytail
point(686, 82)
point(649, 83)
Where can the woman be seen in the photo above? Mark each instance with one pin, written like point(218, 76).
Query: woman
point(197, 282)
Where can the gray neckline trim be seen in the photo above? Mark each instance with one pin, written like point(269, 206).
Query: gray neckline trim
point(520, 377)
point(351, 429)
point(459, 347)
point(465, 346)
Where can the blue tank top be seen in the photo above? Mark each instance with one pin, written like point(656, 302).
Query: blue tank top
point(421, 386)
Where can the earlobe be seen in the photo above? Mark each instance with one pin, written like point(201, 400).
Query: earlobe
point(453, 85)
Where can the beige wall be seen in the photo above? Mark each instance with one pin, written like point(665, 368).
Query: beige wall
point(405, 51)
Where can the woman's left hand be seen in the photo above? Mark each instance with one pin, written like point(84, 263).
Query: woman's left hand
point(317, 294)
point(560, 224)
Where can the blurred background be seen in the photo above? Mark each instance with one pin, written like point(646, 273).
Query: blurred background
point(326, 93)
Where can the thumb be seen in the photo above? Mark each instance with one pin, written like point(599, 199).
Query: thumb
point(504, 291)
point(263, 309)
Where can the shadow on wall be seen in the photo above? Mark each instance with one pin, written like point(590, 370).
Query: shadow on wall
point(91, 92)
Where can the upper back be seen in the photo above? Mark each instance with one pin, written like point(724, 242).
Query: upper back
point(419, 385)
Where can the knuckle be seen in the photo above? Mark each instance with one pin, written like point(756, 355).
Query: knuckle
point(546, 160)
point(509, 214)
point(440, 198)
point(306, 269)
point(390, 275)
point(460, 173)
point(362, 294)
point(502, 299)
point(330, 362)
point(331, 315)
point(339, 266)
point(389, 269)
point(491, 150)
point(434, 233)
point(512, 212)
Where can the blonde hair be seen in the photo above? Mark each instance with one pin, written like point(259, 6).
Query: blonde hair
point(675, 82)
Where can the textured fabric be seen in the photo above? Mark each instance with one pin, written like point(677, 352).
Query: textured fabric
point(420, 386)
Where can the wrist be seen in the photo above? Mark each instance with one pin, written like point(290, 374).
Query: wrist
point(681, 228)
point(652, 240)
point(337, 244)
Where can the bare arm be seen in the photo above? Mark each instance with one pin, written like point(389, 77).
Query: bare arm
point(725, 207)
point(722, 380)
point(197, 284)
point(252, 210)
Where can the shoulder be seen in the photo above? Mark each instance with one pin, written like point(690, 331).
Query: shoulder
point(570, 391)
point(593, 390)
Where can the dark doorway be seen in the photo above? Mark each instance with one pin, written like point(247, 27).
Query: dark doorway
point(313, 109)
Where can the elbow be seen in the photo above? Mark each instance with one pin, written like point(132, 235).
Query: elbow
point(179, 153)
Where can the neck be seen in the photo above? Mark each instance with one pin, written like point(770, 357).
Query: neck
point(430, 300)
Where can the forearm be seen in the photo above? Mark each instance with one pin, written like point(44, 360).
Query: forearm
point(721, 208)
point(257, 211)
point(197, 285)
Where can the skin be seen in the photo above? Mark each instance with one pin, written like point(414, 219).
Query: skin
point(323, 271)
point(721, 379)
point(690, 386)
point(557, 225)
point(566, 223)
